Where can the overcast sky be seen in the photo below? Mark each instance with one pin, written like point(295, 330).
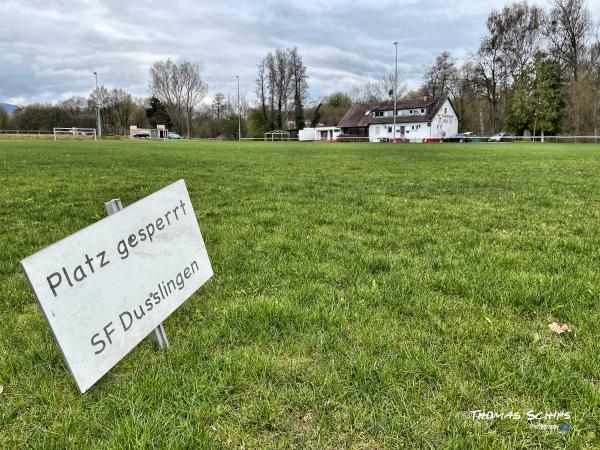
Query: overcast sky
point(49, 49)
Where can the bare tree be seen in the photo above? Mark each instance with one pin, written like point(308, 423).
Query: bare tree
point(262, 94)
point(235, 107)
point(378, 91)
point(116, 107)
point(439, 75)
point(299, 86)
point(490, 78)
point(165, 85)
point(386, 87)
point(568, 29)
point(120, 109)
point(219, 105)
point(594, 82)
point(281, 87)
point(180, 88)
point(194, 90)
point(462, 88)
point(491, 72)
point(517, 29)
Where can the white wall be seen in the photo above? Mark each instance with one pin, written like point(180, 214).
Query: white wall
point(306, 134)
point(445, 122)
point(319, 133)
point(412, 131)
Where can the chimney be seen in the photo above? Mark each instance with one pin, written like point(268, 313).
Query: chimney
point(424, 98)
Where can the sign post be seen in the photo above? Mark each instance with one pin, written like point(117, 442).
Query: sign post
point(110, 285)
point(158, 335)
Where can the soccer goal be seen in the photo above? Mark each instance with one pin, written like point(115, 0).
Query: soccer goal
point(74, 132)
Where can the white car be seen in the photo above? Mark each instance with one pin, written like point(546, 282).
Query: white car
point(502, 137)
point(174, 135)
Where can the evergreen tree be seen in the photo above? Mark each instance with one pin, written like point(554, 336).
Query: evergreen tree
point(521, 109)
point(549, 93)
point(157, 114)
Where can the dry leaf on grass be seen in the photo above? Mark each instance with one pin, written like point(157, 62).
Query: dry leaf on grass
point(1, 389)
point(559, 329)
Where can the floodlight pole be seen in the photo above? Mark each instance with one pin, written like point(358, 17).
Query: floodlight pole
point(239, 110)
point(98, 122)
point(394, 90)
point(158, 335)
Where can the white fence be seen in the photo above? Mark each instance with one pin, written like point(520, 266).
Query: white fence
point(30, 133)
point(48, 134)
point(480, 139)
point(271, 139)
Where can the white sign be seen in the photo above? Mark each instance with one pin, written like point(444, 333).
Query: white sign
point(106, 287)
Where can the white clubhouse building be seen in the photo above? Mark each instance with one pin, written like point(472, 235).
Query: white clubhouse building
point(415, 120)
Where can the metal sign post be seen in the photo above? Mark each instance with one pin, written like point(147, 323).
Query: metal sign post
point(158, 335)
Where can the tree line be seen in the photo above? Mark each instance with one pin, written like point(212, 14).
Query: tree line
point(535, 70)
point(176, 101)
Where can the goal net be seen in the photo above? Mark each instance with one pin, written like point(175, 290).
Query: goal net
point(85, 133)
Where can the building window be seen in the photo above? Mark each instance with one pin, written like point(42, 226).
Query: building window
point(389, 129)
point(429, 124)
point(445, 110)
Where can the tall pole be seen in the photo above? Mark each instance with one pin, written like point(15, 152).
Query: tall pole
point(98, 122)
point(239, 110)
point(394, 89)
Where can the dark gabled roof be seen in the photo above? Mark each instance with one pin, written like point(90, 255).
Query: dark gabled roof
point(356, 115)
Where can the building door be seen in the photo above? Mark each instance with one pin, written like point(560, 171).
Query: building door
point(402, 128)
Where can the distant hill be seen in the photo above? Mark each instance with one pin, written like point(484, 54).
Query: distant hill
point(8, 107)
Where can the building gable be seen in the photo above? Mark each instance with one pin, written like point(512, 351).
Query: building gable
point(409, 111)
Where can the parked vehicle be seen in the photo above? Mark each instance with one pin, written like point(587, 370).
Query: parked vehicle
point(502, 137)
point(432, 139)
point(397, 140)
point(458, 137)
point(142, 134)
point(173, 135)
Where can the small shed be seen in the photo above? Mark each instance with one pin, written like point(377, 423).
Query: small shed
point(319, 134)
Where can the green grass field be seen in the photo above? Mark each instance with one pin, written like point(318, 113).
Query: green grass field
point(364, 296)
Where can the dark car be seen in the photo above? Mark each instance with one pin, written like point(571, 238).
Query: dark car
point(502, 137)
point(142, 134)
point(458, 137)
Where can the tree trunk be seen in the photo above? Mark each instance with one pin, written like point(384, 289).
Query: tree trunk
point(187, 116)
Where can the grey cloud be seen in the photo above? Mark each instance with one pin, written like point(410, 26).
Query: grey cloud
point(49, 49)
